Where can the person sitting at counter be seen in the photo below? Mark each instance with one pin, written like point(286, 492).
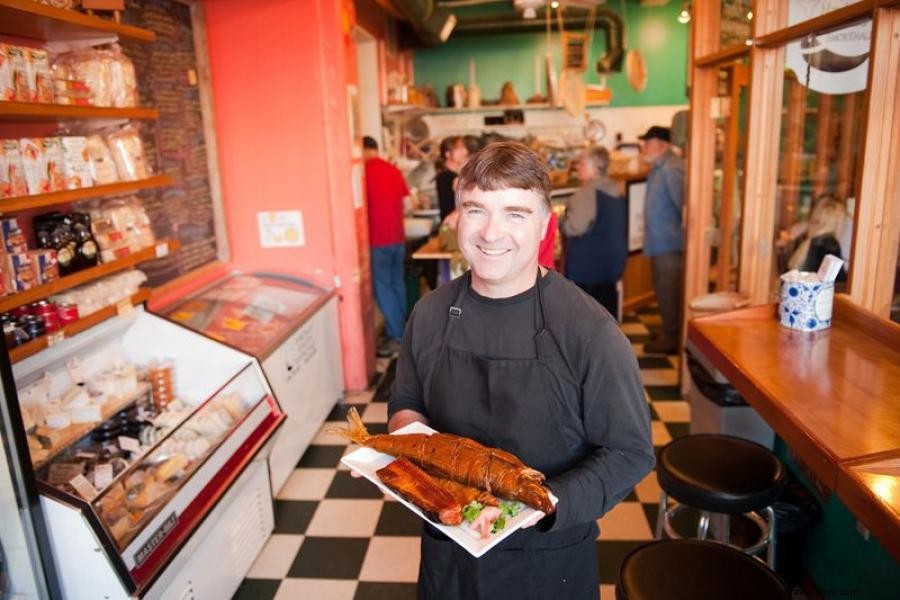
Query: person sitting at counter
point(827, 220)
point(595, 227)
point(454, 154)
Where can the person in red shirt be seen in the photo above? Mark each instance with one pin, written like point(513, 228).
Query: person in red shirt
point(385, 191)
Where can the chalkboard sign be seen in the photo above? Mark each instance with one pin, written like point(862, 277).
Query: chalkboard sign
point(175, 143)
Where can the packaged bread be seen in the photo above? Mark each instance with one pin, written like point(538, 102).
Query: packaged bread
point(39, 77)
point(102, 166)
point(92, 67)
point(128, 153)
point(7, 91)
point(120, 226)
point(53, 155)
point(76, 162)
point(34, 163)
point(18, 64)
point(12, 176)
point(122, 80)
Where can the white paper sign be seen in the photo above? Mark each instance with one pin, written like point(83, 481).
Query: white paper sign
point(834, 62)
point(281, 229)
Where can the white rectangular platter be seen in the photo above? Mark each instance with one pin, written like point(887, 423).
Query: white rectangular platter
point(366, 462)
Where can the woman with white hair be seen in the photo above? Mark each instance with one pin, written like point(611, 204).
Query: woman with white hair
point(595, 226)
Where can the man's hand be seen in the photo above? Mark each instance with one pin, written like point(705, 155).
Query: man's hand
point(402, 418)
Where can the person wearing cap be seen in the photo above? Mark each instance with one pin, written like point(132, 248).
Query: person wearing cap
point(385, 191)
point(664, 234)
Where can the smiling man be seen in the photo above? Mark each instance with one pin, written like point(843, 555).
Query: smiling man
point(517, 357)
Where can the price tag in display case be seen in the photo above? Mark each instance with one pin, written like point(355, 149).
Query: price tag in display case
point(162, 249)
point(124, 307)
point(55, 338)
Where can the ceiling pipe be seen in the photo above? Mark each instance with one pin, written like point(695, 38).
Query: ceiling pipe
point(430, 23)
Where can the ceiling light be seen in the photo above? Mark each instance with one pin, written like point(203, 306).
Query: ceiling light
point(684, 17)
point(554, 4)
point(749, 15)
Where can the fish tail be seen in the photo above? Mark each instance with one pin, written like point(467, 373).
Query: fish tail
point(355, 431)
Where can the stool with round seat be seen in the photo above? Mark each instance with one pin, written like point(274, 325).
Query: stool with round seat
point(723, 475)
point(696, 570)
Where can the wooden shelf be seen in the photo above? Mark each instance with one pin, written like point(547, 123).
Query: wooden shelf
point(30, 112)
point(410, 110)
point(30, 19)
point(40, 292)
point(36, 345)
point(76, 431)
point(53, 198)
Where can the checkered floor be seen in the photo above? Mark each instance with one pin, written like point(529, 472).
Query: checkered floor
point(339, 538)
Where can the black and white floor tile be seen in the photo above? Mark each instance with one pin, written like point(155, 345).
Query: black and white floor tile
point(338, 538)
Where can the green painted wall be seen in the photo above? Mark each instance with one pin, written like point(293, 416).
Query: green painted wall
point(510, 57)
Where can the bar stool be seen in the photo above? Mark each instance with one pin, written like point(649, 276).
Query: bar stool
point(720, 474)
point(696, 570)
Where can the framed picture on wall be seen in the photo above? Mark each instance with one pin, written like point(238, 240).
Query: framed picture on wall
point(636, 195)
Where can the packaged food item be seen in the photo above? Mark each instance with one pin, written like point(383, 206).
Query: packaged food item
point(161, 374)
point(123, 83)
point(12, 175)
point(128, 153)
point(66, 88)
point(120, 226)
point(7, 91)
point(90, 67)
point(35, 165)
point(76, 162)
point(18, 64)
point(102, 166)
point(21, 272)
point(12, 237)
point(46, 268)
point(39, 77)
point(106, 292)
point(69, 234)
point(53, 154)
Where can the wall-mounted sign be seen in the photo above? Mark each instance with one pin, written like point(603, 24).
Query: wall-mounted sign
point(831, 63)
point(281, 229)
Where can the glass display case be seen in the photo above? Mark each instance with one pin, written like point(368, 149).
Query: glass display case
point(136, 430)
point(292, 328)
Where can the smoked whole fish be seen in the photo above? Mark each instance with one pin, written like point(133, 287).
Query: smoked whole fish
point(458, 458)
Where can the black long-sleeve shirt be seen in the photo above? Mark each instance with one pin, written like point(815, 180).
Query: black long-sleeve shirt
point(614, 426)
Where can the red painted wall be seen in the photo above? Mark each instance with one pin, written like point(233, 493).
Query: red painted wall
point(280, 70)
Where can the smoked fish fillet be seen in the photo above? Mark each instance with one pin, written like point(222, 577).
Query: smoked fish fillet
point(417, 486)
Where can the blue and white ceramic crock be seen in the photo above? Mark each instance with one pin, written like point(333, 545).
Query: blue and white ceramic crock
point(805, 305)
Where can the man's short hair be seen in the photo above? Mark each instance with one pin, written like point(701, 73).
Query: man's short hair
point(506, 165)
point(369, 143)
point(598, 155)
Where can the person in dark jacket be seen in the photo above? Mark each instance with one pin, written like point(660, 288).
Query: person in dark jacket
point(517, 357)
point(595, 226)
point(454, 154)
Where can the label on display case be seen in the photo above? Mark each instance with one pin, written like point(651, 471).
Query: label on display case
point(155, 539)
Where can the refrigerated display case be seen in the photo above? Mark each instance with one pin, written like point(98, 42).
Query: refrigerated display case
point(292, 328)
point(148, 443)
point(21, 565)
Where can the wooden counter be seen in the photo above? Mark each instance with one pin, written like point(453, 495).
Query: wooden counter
point(832, 395)
point(432, 250)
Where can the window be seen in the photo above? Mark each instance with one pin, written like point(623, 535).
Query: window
point(823, 105)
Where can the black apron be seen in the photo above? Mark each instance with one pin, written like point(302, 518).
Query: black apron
point(516, 405)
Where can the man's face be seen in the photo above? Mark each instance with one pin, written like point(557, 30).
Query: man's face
point(459, 154)
point(653, 148)
point(499, 235)
point(585, 168)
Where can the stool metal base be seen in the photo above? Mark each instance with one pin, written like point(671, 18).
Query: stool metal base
point(766, 526)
